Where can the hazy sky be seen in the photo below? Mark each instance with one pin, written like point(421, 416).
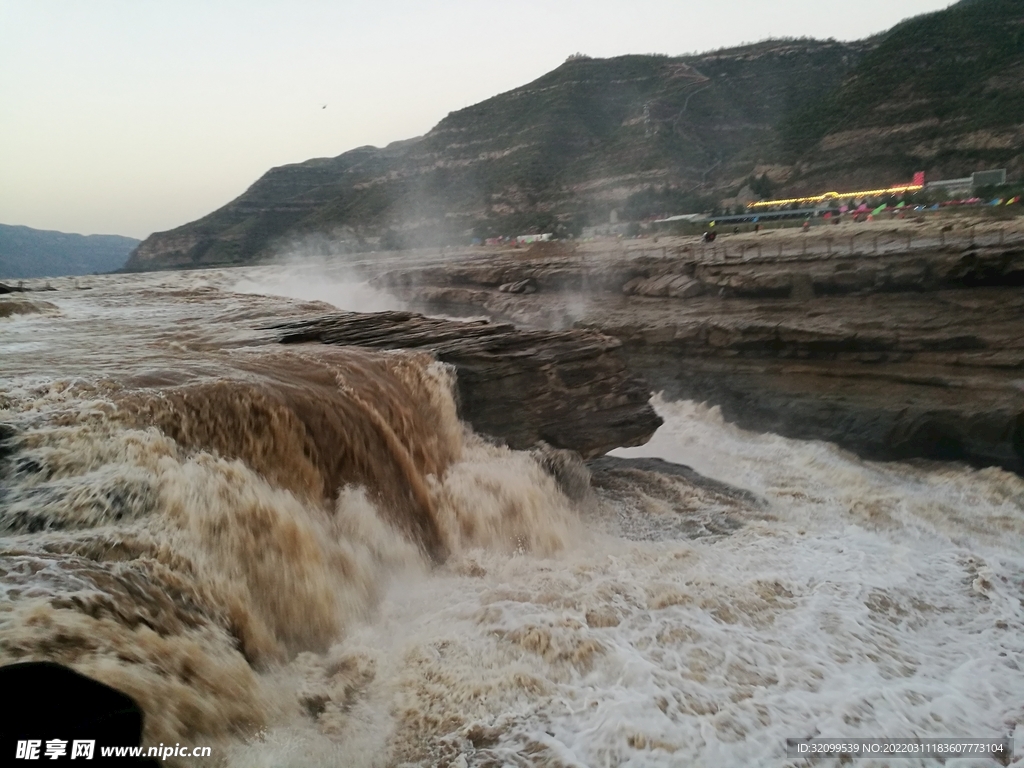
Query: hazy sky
point(134, 116)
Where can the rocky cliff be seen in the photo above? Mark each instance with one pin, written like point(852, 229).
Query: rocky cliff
point(644, 135)
point(559, 152)
point(893, 341)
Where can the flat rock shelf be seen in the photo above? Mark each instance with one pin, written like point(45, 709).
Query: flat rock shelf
point(909, 348)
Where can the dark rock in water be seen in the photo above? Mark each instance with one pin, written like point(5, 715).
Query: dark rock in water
point(569, 389)
point(7, 433)
point(616, 464)
point(57, 703)
point(12, 305)
point(658, 500)
point(19, 288)
point(567, 469)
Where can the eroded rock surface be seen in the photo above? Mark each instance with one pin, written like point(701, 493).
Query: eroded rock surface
point(569, 389)
point(895, 343)
point(656, 499)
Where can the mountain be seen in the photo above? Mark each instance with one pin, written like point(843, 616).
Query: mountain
point(27, 252)
point(568, 147)
point(942, 93)
point(643, 135)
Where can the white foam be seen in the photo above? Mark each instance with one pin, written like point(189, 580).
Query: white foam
point(867, 600)
point(871, 600)
point(351, 295)
point(335, 282)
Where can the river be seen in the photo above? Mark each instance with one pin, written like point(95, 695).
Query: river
point(299, 556)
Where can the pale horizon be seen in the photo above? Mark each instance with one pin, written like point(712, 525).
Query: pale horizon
point(125, 118)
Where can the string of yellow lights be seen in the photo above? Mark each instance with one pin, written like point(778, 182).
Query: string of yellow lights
point(838, 196)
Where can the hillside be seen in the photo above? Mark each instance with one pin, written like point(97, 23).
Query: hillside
point(566, 148)
point(645, 135)
point(27, 252)
point(943, 93)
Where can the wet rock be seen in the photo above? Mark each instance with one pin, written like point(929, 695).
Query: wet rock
point(519, 286)
point(7, 435)
point(569, 389)
point(568, 470)
point(672, 286)
point(616, 464)
point(659, 500)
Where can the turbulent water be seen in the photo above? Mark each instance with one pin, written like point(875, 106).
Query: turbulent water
point(299, 556)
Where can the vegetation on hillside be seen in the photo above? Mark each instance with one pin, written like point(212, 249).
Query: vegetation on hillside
point(963, 64)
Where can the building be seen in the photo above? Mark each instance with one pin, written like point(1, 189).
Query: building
point(969, 183)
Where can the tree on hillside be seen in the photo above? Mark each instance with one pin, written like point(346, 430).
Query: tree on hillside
point(762, 187)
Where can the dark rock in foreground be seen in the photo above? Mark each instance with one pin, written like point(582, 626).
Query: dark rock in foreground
point(83, 710)
point(570, 389)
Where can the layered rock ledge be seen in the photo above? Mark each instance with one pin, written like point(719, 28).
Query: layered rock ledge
point(896, 342)
point(569, 389)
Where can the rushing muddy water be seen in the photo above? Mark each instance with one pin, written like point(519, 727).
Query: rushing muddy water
point(299, 556)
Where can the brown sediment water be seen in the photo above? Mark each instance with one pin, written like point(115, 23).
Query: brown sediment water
point(313, 423)
point(300, 557)
point(199, 506)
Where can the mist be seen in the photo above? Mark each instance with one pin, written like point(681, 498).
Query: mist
point(319, 268)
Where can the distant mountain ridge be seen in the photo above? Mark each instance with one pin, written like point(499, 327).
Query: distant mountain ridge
point(27, 252)
point(941, 93)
